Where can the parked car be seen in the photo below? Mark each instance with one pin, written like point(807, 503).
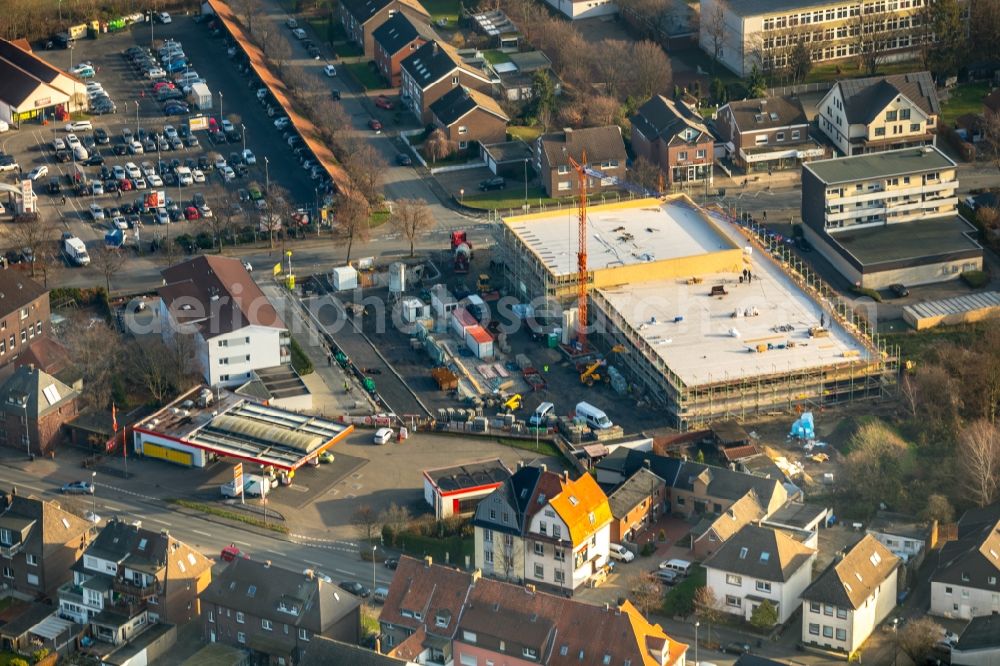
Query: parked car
point(621, 553)
point(77, 125)
point(391, 562)
point(232, 552)
point(357, 589)
point(497, 183)
point(899, 291)
point(335, 93)
point(382, 436)
point(375, 124)
point(38, 172)
point(330, 70)
point(78, 488)
point(403, 160)
point(383, 102)
point(736, 647)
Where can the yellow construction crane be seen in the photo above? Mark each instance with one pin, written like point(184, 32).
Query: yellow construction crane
point(513, 403)
point(589, 375)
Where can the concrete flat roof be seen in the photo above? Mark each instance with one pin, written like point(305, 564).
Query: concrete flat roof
point(879, 165)
point(659, 230)
point(701, 350)
point(908, 240)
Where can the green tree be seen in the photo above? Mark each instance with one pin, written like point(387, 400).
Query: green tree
point(800, 62)
point(938, 508)
point(756, 84)
point(943, 19)
point(718, 91)
point(873, 471)
point(764, 616)
point(544, 94)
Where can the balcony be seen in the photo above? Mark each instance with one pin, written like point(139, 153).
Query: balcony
point(133, 589)
point(10, 551)
point(72, 593)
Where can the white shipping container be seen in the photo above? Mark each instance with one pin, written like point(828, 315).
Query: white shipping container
point(414, 310)
point(344, 278)
point(201, 96)
point(462, 321)
point(479, 342)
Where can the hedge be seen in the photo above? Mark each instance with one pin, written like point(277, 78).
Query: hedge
point(300, 362)
point(975, 279)
point(870, 293)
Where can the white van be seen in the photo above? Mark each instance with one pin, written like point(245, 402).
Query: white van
point(80, 153)
point(620, 553)
point(595, 417)
point(380, 594)
point(541, 414)
point(680, 566)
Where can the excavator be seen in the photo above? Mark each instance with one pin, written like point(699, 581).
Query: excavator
point(513, 403)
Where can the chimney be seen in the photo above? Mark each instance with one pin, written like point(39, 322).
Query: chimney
point(529, 588)
point(607, 606)
point(566, 475)
point(378, 645)
point(428, 561)
point(646, 463)
point(520, 464)
point(310, 574)
point(476, 575)
point(267, 564)
point(545, 468)
point(434, 48)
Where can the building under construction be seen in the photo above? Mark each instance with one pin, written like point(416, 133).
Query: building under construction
point(712, 325)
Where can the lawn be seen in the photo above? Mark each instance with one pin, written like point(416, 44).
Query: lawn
point(365, 75)
point(322, 28)
point(696, 58)
point(849, 69)
point(448, 10)
point(679, 602)
point(966, 98)
point(378, 218)
point(524, 133)
point(419, 546)
point(496, 57)
point(544, 448)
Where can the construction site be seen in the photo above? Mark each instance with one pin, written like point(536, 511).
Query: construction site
point(693, 313)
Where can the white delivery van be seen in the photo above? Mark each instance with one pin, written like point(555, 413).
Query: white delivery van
point(595, 417)
point(682, 567)
point(620, 553)
point(541, 414)
point(75, 250)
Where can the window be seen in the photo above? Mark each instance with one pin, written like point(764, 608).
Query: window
point(842, 613)
point(562, 186)
point(560, 576)
point(8, 572)
point(488, 536)
point(543, 527)
point(241, 637)
point(890, 115)
point(761, 139)
point(265, 624)
point(239, 617)
point(814, 606)
point(211, 616)
point(914, 127)
point(468, 660)
point(469, 637)
point(32, 579)
point(796, 134)
point(733, 579)
point(462, 129)
point(682, 155)
point(38, 328)
point(734, 602)
point(841, 634)
point(562, 170)
point(904, 114)
point(530, 653)
point(24, 336)
point(539, 548)
point(303, 635)
point(814, 629)
point(488, 556)
point(828, 610)
point(539, 572)
point(32, 560)
point(827, 632)
point(763, 586)
point(559, 554)
point(879, 131)
point(454, 80)
point(779, 136)
point(557, 531)
point(700, 154)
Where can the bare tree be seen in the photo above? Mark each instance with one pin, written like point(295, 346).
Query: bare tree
point(979, 460)
point(366, 167)
point(152, 366)
point(365, 519)
point(645, 592)
point(877, 455)
point(505, 554)
point(438, 146)
point(615, 69)
point(707, 607)
point(395, 519)
point(48, 263)
point(93, 358)
point(31, 234)
point(411, 217)
point(938, 508)
point(991, 136)
point(603, 110)
point(247, 10)
point(352, 219)
point(647, 174)
point(651, 72)
point(715, 27)
point(918, 637)
point(108, 261)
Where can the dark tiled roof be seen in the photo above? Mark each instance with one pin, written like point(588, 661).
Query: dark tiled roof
point(217, 295)
point(30, 63)
point(762, 114)
point(636, 489)
point(849, 581)
point(982, 633)
point(433, 61)
point(17, 290)
point(864, 99)
point(662, 118)
point(973, 560)
point(796, 514)
point(41, 392)
point(26, 619)
point(321, 651)
point(469, 475)
point(761, 552)
point(396, 34)
point(600, 144)
point(459, 101)
point(259, 589)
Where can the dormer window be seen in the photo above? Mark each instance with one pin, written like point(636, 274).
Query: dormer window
point(574, 501)
point(469, 637)
point(530, 653)
point(442, 619)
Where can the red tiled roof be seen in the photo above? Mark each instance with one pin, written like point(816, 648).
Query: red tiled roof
point(740, 452)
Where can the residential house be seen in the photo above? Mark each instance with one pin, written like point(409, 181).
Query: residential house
point(235, 328)
point(979, 642)
point(636, 504)
point(769, 134)
point(395, 40)
point(852, 596)
point(713, 530)
point(744, 35)
point(863, 212)
point(39, 542)
point(760, 564)
point(322, 651)
point(544, 528)
point(516, 76)
point(362, 17)
point(906, 537)
point(431, 71)
point(469, 118)
point(602, 148)
point(130, 577)
point(675, 139)
point(461, 618)
point(275, 612)
point(965, 583)
point(582, 9)
point(34, 405)
point(24, 313)
point(18, 634)
point(880, 113)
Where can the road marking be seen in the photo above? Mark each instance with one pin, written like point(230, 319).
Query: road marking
point(204, 534)
point(242, 543)
point(315, 564)
point(348, 573)
point(162, 522)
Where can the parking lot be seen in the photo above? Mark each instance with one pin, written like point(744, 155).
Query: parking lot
point(137, 111)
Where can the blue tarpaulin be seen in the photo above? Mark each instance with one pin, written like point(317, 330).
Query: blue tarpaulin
point(803, 427)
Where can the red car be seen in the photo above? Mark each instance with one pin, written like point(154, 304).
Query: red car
point(160, 85)
point(126, 185)
point(191, 213)
point(375, 124)
point(383, 102)
point(231, 552)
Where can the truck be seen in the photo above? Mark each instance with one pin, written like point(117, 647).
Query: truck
point(200, 96)
point(75, 250)
point(254, 485)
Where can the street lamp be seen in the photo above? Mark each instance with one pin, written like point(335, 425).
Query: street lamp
point(373, 570)
point(220, 108)
point(93, 487)
point(243, 128)
point(137, 119)
point(895, 640)
point(696, 625)
point(150, 28)
point(461, 194)
point(27, 432)
point(267, 177)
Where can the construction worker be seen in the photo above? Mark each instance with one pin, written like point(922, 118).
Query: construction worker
point(347, 387)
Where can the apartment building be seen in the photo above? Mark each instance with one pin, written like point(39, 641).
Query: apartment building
point(880, 113)
point(543, 528)
point(34, 406)
point(765, 32)
point(24, 313)
point(965, 583)
point(235, 328)
point(889, 218)
point(675, 139)
point(276, 613)
point(767, 134)
point(852, 596)
point(604, 149)
point(362, 17)
point(129, 578)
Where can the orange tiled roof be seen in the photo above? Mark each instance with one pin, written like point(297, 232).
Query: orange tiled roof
point(583, 506)
point(649, 635)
